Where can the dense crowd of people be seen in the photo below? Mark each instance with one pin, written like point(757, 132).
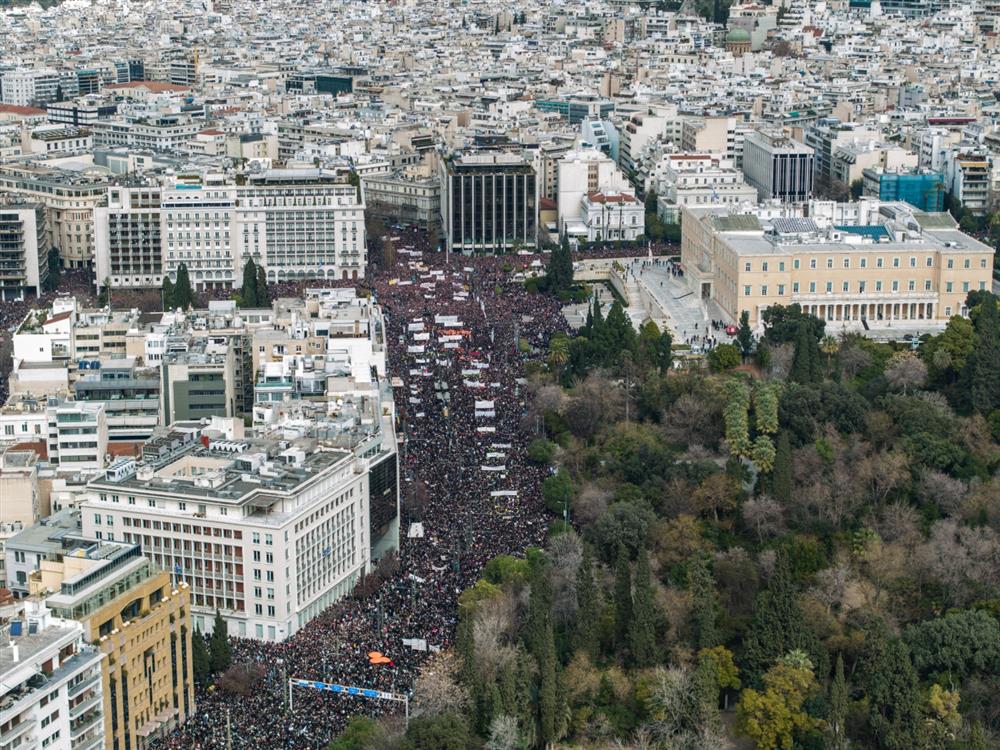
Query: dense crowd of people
point(75, 283)
point(465, 456)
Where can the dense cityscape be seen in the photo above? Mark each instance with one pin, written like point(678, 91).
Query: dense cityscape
point(448, 376)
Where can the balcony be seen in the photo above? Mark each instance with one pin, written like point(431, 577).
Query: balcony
point(82, 685)
point(16, 731)
point(87, 721)
point(85, 705)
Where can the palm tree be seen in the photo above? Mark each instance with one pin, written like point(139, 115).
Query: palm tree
point(829, 346)
point(558, 353)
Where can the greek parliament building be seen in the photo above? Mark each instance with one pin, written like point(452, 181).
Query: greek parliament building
point(859, 265)
point(489, 201)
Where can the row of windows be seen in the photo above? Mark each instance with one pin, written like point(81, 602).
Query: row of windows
point(863, 263)
point(862, 286)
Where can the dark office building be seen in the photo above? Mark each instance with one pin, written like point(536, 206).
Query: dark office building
point(489, 202)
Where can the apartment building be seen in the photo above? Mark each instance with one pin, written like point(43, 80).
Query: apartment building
point(829, 133)
point(53, 140)
point(198, 382)
point(77, 434)
point(128, 244)
point(581, 173)
point(778, 167)
point(69, 198)
point(268, 532)
point(30, 87)
point(52, 692)
point(722, 136)
point(163, 134)
point(404, 198)
point(140, 620)
point(130, 395)
point(302, 223)
point(691, 179)
point(857, 264)
point(489, 201)
point(24, 251)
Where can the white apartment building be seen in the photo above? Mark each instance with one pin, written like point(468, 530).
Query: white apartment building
point(297, 224)
point(268, 532)
point(581, 173)
point(161, 134)
point(29, 87)
point(697, 179)
point(52, 695)
point(77, 434)
point(128, 248)
point(58, 139)
point(302, 223)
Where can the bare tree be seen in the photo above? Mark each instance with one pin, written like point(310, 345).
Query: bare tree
point(505, 734)
point(242, 679)
point(437, 689)
point(945, 491)
point(590, 503)
point(905, 370)
point(765, 516)
point(595, 403)
point(853, 359)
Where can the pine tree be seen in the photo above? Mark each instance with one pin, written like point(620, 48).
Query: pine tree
point(893, 691)
point(248, 292)
point(779, 627)
point(781, 478)
point(200, 659)
point(221, 655)
point(838, 708)
point(588, 607)
point(183, 296)
point(983, 364)
point(623, 599)
point(263, 295)
point(642, 626)
point(167, 293)
point(704, 605)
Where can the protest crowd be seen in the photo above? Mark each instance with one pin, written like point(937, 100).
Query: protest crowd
point(466, 486)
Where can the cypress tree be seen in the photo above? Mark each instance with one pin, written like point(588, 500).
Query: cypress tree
point(805, 363)
point(167, 293)
point(838, 707)
point(221, 655)
point(548, 688)
point(183, 295)
point(642, 626)
point(781, 478)
point(200, 660)
point(248, 292)
point(623, 599)
point(779, 627)
point(744, 336)
point(588, 607)
point(539, 610)
point(560, 269)
point(704, 604)
point(983, 363)
point(263, 296)
point(893, 691)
